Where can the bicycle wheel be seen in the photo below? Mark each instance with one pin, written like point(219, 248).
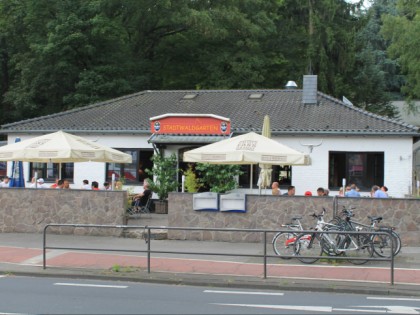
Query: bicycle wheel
point(307, 245)
point(283, 244)
point(382, 243)
point(358, 246)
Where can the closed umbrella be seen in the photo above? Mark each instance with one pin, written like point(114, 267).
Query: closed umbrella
point(16, 179)
point(264, 179)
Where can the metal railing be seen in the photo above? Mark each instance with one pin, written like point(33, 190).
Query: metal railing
point(147, 234)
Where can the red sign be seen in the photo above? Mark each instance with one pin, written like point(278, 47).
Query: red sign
point(190, 125)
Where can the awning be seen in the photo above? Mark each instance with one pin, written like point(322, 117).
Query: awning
point(185, 139)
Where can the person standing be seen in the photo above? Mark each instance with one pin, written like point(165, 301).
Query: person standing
point(107, 186)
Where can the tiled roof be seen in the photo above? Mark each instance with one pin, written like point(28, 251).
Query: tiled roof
point(131, 113)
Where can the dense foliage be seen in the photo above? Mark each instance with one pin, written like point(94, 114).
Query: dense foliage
point(164, 174)
point(218, 178)
point(61, 54)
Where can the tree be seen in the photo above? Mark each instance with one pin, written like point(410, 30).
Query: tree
point(402, 31)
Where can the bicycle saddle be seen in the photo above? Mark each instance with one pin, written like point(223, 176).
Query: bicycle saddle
point(375, 218)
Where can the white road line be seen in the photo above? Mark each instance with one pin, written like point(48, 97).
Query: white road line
point(391, 299)
point(40, 258)
point(92, 285)
point(392, 309)
point(358, 310)
point(243, 292)
point(326, 309)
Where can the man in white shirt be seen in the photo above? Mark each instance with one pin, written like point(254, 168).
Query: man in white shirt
point(39, 183)
point(5, 183)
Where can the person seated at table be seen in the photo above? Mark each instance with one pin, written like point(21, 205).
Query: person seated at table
point(86, 185)
point(275, 189)
point(291, 191)
point(60, 184)
point(95, 185)
point(66, 184)
point(141, 199)
point(39, 183)
point(5, 183)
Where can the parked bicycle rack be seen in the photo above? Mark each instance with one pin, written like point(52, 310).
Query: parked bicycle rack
point(264, 256)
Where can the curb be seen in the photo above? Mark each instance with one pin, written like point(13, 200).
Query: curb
point(244, 282)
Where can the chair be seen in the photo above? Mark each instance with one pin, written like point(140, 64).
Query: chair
point(137, 210)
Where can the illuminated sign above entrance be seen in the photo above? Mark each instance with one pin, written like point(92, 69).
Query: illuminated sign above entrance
point(190, 124)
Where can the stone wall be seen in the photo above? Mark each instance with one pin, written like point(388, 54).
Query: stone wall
point(29, 210)
point(269, 212)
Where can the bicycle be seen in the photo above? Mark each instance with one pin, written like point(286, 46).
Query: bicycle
point(283, 242)
point(333, 244)
point(381, 243)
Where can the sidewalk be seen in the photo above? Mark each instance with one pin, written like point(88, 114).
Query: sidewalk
point(22, 254)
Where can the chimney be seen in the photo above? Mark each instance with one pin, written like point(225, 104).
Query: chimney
point(310, 89)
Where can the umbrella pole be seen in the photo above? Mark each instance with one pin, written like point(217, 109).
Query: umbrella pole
point(252, 172)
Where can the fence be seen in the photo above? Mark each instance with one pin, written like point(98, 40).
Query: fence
point(148, 232)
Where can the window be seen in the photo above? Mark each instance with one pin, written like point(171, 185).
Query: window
point(3, 169)
point(364, 169)
point(50, 171)
point(132, 173)
point(281, 174)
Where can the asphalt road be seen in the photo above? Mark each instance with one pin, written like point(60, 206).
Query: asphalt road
point(73, 296)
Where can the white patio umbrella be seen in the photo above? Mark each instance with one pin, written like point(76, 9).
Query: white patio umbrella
point(250, 148)
point(61, 147)
point(264, 179)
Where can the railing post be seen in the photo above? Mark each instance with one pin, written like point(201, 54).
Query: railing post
point(148, 248)
point(265, 254)
point(392, 259)
point(44, 243)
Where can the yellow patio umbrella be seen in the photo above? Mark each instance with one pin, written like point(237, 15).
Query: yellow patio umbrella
point(264, 179)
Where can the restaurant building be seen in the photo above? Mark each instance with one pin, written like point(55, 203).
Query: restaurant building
point(343, 141)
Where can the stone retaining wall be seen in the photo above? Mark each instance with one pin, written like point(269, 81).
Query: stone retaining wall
point(29, 210)
point(269, 212)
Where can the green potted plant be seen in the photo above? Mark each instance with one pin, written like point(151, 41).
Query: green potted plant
point(192, 184)
point(219, 178)
point(163, 172)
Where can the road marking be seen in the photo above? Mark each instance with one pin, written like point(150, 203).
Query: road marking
point(92, 285)
point(243, 292)
point(328, 309)
point(358, 310)
point(391, 299)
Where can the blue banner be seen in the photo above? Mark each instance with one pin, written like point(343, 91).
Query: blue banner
point(16, 179)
